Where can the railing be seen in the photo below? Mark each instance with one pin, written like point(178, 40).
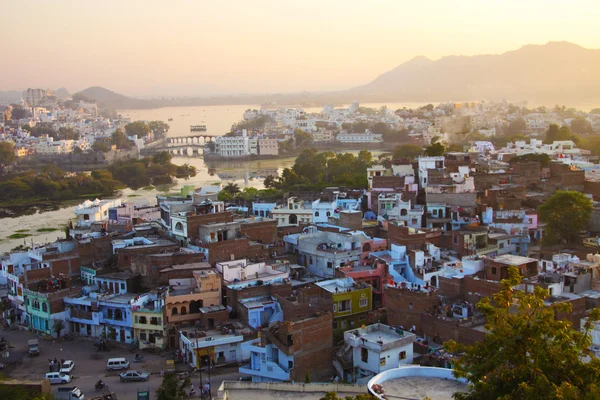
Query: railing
point(81, 314)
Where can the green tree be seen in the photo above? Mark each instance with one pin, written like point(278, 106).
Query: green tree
point(65, 133)
point(172, 388)
point(159, 128)
point(360, 127)
point(101, 145)
point(119, 139)
point(303, 139)
point(162, 158)
point(566, 214)
point(58, 327)
point(139, 128)
point(232, 188)
point(580, 125)
point(435, 149)
point(529, 353)
point(516, 127)
point(411, 151)
point(7, 153)
point(381, 128)
point(18, 113)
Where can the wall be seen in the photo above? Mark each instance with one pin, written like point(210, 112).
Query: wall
point(262, 232)
point(404, 308)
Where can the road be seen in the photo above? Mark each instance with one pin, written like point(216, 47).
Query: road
point(91, 365)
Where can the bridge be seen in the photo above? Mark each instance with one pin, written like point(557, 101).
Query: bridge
point(186, 146)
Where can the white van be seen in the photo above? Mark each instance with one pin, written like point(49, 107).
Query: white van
point(115, 364)
point(58, 377)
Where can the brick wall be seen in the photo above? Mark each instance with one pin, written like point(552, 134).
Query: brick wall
point(314, 339)
point(194, 222)
point(405, 307)
point(150, 265)
point(94, 250)
point(234, 296)
point(126, 254)
point(262, 232)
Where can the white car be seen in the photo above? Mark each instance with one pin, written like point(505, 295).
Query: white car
point(58, 377)
point(67, 367)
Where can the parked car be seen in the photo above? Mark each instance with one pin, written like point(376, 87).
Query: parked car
point(67, 367)
point(117, 363)
point(58, 377)
point(132, 376)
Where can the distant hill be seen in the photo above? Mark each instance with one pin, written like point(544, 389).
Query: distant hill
point(11, 96)
point(554, 72)
point(109, 99)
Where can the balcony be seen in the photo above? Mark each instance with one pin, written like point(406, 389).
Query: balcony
point(269, 368)
point(254, 346)
point(486, 250)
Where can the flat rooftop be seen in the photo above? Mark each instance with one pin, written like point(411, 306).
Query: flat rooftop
point(420, 387)
point(510, 259)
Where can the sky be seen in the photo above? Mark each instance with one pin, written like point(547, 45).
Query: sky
point(198, 47)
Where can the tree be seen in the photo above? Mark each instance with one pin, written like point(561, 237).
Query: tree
point(101, 145)
point(381, 128)
point(411, 151)
point(139, 128)
point(516, 127)
point(595, 111)
point(18, 113)
point(159, 128)
point(232, 188)
point(162, 158)
point(435, 149)
point(580, 125)
point(555, 133)
point(303, 139)
point(7, 153)
point(566, 214)
point(171, 388)
point(119, 139)
point(58, 327)
point(67, 134)
point(360, 127)
point(529, 352)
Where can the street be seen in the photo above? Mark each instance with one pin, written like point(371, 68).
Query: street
point(91, 365)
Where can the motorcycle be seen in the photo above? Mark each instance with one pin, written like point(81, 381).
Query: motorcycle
point(101, 386)
point(138, 358)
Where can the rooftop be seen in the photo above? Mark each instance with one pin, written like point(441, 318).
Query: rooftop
point(419, 387)
point(512, 260)
point(340, 285)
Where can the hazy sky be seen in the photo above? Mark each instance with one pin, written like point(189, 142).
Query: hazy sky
point(151, 47)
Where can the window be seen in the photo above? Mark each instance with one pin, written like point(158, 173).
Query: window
point(455, 239)
point(183, 310)
point(143, 336)
point(155, 321)
point(334, 307)
point(143, 320)
point(494, 270)
point(403, 212)
point(382, 362)
point(434, 212)
point(316, 213)
point(345, 305)
point(328, 214)
point(174, 311)
point(310, 261)
point(364, 355)
point(363, 303)
point(403, 355)
point(501, 245)
point(329, 264)
point(122, 286)
point(44, 307)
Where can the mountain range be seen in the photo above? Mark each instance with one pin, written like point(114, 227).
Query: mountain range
point(557, 72)
point(554, 72)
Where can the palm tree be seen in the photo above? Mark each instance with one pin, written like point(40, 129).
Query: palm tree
point(58, 326)
point(232, 187)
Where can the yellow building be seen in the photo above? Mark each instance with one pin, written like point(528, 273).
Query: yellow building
point(187, 296)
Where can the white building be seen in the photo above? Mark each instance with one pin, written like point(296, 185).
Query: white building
point(215, 346)
point(426, 163)
point(232, 146)
point(268, 147)
point(374, 349)
point(366, 137)
point(293, 213)
point(89, 212)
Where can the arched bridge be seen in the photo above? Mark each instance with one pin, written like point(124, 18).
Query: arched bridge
point(186, 145)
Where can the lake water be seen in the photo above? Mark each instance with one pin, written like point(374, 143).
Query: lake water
point(218, 120)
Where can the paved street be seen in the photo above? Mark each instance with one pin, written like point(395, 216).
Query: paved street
point(91, 365)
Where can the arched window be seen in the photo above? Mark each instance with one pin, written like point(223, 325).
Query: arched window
point(328, 214)
point(179, 226)
point(403, 212)
point(174, 311)
point(367, 247)
point(183, 310)
point(316, 213)
point(293, 219)
point(44, 307)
